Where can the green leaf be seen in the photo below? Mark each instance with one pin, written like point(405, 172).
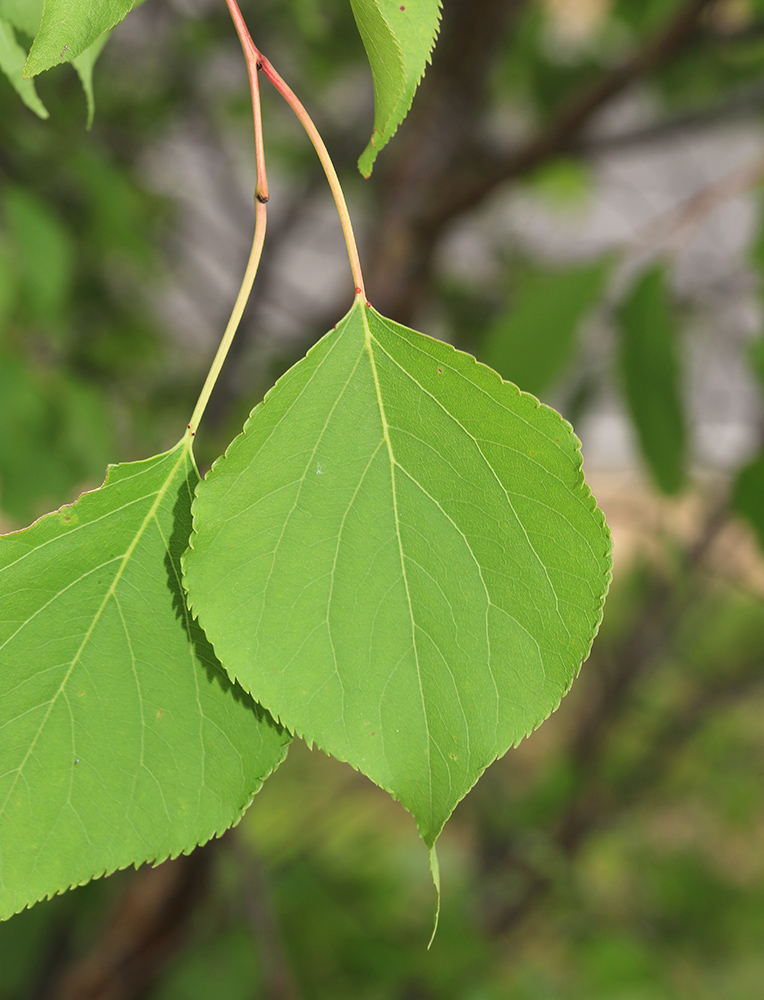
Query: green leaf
point(26, 15)
point(12, 57)
point(123, 739)
point(533, 341)
point(84, 64)
point(748, 495)
point(22, 14)
point(650, 371)
point(399, 557)
point(68, 27)
point(398, 39)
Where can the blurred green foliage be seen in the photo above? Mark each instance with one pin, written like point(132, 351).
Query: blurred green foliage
point(532, 342)
point(650, 369)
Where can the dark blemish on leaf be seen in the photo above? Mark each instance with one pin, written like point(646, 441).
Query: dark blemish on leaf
point(452, 756)
point(373, 733)
point(63, 50)
point(440, 371)
point(159, 714)
point(80, 694)
point(403, 8)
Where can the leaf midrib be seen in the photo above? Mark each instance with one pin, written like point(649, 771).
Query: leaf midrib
point(185, 449)
point(389, 445)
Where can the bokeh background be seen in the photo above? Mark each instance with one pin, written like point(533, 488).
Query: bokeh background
point(575, 198)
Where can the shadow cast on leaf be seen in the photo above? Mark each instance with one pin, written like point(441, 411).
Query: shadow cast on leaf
point(205, 654)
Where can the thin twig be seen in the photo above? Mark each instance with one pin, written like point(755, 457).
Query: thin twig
point(256, 58)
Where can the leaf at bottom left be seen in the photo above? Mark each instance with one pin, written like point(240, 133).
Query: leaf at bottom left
point(122, 740)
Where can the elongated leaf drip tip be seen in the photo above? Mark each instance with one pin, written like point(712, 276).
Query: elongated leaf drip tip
point(435, 869)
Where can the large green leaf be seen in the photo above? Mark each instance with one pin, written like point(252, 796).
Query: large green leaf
point(649, 365)
point(398, 39)
point(400, 559)
point(12, 58)
point(532, 342)
point(123, 741)
point(68, 27)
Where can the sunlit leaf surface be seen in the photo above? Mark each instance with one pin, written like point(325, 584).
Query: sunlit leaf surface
point(400, 559)
point(398, 39)
point(68, 27)
point(122, 740)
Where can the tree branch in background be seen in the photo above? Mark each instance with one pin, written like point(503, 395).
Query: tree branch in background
point(738, 105)
point(257, 903)
point(148, 925)
point(440, 173)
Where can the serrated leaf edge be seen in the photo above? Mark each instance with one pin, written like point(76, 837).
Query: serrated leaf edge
point(582, 487)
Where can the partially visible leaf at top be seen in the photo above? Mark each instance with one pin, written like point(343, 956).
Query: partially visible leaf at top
point(533, 341)
point(68, 27)
point(398, 39)
point(25, 15)
point(649, 364)
point(400, 559)
point(12, 58)
point(123, 741)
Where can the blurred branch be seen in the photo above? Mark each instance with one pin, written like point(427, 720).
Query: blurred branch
point(278, 981)
point(670, 228)
point(559, 135)
point(738, 105)
point(148, 925)
point(751, 32)
point(441, 173)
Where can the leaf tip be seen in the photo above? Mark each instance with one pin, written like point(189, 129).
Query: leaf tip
point(435, 872)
